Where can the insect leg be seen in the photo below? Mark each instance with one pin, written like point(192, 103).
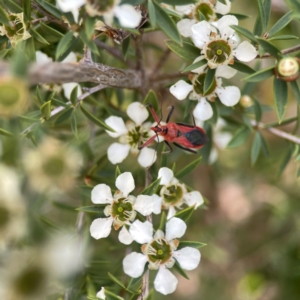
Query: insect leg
point(170, 114)
point(147, 142)
point(186, 149)
point(169, 147)
point(155, 116)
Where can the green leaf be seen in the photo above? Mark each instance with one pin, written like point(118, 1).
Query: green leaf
point(64, 44)
point(185, 214)
point(152, 188)
point(74, 95)
point(95, 120)
point(245, 32)
point(89, 25)
point(178, 268)
point(4, 52)
point(151, 98)
point(260, 75)
point(64, 206)
point(116, 280)
point(117, 172)
point(264, 7)
point(238, 16)
point(74, 124)
point(256, 147)
point(27, 9)
point(4, 16)
point(264, 145)
point(257, 110)
point(296, 90)
point(281, 97)
point(50, 34)
point(189, 168)
point(239, 137)
point(64, 115)
point(37, 36)
point(283, 37)
point(177, 2)
point(12, 6)
point(50, 8)
point(163, 221)
point(281, 23)
point(110, 295)
point(186, 50)
point(46, 109)
point(90, 43)
point(209, 80)
point(166, 24)
point(195, 65)
point(5, 133)
point(93, 209)
point(151, 11)
point(270, 48)
point(239, 66)
point(125, 47)
point(196, 245)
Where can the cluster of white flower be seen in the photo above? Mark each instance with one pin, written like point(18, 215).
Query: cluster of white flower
point(219, 45)
point(160, 250)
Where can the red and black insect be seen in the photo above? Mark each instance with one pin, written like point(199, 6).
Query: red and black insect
point(184, 136)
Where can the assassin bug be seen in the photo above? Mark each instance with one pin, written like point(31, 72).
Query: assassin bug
point(184, 136)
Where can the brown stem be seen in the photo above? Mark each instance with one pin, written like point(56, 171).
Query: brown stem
point(285, 51)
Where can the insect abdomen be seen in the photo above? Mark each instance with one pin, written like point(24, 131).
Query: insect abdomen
point(196, 137)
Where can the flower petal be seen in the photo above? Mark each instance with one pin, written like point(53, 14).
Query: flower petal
point(117, 152)
point(221, 8)
point(42, 58)
point(175, 228)
point(201, 33)
point(181, 89)
point(193, 198)
point(199, 70)
point(203, 110)
point(134, 264)
point(144, 204)
point(101, 293)
point(137, 112)
point(157, 204)
point(225, 71)
point(127, 15)
point(166, 175)
point(229, 95)
point(117, 124)
point(221, 139)
point(171, 212)
point(147, 157)
point(125, 237)
point(125, 183)
point(245, 52)
point(68, 88)
point(69, 5)
point(165, 282)
point(224, 26)
point(70, 58)
point(188, 258)
point(141, 232)
point(185, 9)
point(185, 27)
point(101, 194)
point(101, 228)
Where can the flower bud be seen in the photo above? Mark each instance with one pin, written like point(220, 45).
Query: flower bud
point(246, 101)
point(288, 69)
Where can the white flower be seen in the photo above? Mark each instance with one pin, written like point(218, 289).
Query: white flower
point(219, 43)
point(101, 294)
point(220, 139)
point(127, 15)
point(228, 95)
point(174, 194)
point(121, 208)
point(131, 135)
point(160, 252)
point(70, 6)
point(208, 8)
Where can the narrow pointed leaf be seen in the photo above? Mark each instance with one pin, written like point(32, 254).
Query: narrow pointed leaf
point(239, 66)
point(270, 48)
point(125, 47)
point(152, 188)
point(64, 115)
point(151, 11)
point(163, 221)
point(37, 36)
point(12, 6)
point(177, 2)
point(151, 98)
point(117, 172)
point(50, 8)
point(64, 44)
point(27, 9)
point(256, 147)
point(281, 97)
point(4, 16)
point(74, 125)
point(239, 137)
point(95, 120)
point(296, 90)
point(178, 268)
point(195, 65)
point(196, 245)
point(209, 80)
point(186, 50)
point(166, 24)
point(260, 75)
point(185, 214)
point(281, 23)
point(189, 168)
point(46, 109)
point(245, 32)
point(257, 110)
point(5, 132)
point(283, 37)
point(116, 280)
point(93, 209)
point(73, 96)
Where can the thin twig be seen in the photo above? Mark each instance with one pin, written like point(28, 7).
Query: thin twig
point(285, 51)
point(277, 132)
point(161, 62)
